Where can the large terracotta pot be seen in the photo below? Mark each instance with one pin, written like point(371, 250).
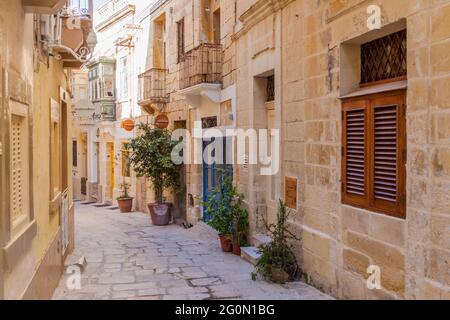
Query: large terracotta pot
point(125, 205)
point(225, 243)
point(160, 213)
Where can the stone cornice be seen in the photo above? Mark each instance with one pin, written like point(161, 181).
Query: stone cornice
point(258, 12)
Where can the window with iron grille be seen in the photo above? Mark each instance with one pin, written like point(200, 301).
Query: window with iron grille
point(209, 122)
point(270, 88)
point(74, 154)
point(384, 59)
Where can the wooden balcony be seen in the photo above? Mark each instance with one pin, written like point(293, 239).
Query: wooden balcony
point(202, 65)
point(152, 87)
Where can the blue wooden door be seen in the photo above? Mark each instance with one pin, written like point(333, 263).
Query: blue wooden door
point(213, 174)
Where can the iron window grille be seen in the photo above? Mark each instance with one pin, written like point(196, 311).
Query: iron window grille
point(384, 59)
point(270, 88)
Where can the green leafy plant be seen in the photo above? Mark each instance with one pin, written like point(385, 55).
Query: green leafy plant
point(124, 187)
point(150, 157)
point(240, 222)
point(277, 257)
point(225, 207)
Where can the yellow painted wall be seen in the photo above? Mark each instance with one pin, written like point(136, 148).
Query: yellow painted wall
point(46, 86)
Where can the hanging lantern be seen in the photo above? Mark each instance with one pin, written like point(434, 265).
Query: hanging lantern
point(128, 125)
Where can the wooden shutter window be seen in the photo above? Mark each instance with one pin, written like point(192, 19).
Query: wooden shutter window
point(17, 167)
point(355, 157)
point(385, 153)
point(374, 153)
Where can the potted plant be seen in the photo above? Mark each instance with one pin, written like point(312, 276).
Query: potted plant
point(224, 206)
point(216, 208)
point(150, 157)
point(278, 262)
point(125, 202)
point(240, 225)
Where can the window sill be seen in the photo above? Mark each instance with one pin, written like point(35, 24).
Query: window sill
point(19, 245)
point(381, 88)
point(55, 204)
point(373, 210)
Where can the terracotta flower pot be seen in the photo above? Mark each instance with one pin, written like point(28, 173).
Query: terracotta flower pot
point(125, 205)
point(225, 243)
point(236, 249)
point(160, 213)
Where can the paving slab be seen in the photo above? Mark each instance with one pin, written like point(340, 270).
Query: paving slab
point(128, 258)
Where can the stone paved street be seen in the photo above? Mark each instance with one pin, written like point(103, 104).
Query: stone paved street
point(130, 259)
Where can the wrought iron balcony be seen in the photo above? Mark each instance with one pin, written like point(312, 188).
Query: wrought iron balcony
point(152, 87)
point(72, 38)
point(78, 8)
point(201, 65)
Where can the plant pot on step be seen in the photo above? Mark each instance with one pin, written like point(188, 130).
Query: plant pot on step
point(125, 204)
point(225, 243)
point(279, 276)
point(237, 249)
point(160, 213)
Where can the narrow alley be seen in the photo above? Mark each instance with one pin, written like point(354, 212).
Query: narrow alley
point(127, 258)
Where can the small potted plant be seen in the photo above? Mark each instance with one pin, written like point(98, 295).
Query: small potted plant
point(125, 202)
point(240, 224)
point(151, 158)
point(278, 262)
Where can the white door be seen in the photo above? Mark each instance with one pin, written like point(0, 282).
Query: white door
point(65, 222)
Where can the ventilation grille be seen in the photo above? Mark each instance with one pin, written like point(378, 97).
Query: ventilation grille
point(385, 155)
point(17, 167)
point(355, 152)
point(384, 58)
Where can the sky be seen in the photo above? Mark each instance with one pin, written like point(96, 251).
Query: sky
point(97, 3)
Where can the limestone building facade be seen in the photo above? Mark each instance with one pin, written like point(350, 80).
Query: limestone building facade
point(40, 48)
point(187, 72)
point(369, 194)
point(358, 92)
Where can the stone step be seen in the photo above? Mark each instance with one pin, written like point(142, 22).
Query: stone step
point(250, 254)
point(260, 239)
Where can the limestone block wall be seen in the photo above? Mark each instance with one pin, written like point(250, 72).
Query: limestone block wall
point(197, 17)
point(339, 242)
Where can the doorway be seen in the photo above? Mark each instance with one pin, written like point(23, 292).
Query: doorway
point(180, 209)
point(214, 172)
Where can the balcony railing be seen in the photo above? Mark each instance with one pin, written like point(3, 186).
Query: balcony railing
point(152, 87)
point(78, 8)
point(202, 65)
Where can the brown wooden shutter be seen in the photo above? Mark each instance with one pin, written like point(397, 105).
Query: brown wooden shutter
point(388, 154)
point(17, 167)
point(180, 36)
point(354, 156)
